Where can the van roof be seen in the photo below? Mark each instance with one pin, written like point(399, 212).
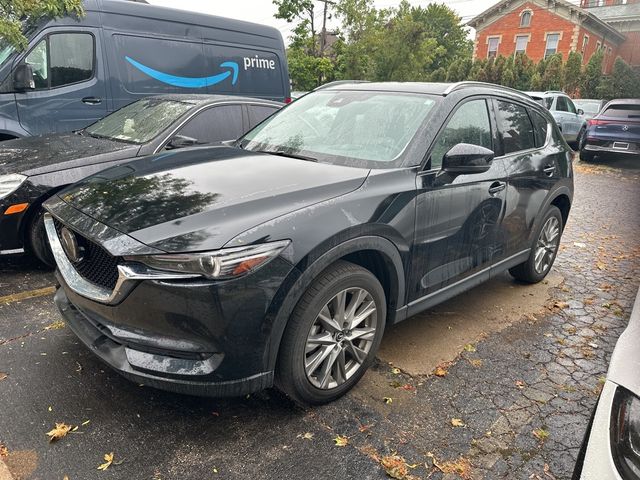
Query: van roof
point(146, 10)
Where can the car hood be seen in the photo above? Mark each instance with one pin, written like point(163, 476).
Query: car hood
point(199, 199)
point(49, 153)
point(625, 360)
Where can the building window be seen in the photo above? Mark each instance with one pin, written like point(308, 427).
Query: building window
point(598, 46)
point(525, 18)
point(552, 44)
point(492, 50)
point(609, 51)
point(585, 42)
point(521, 43)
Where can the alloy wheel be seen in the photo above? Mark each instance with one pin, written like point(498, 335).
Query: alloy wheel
point(340, 338)
point(547, 245)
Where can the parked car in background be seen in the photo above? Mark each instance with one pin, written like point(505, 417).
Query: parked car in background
point(567, 116)
point(217, 271)
point(611, 448)
point(34, 168)
point(76, 71)
point(589, 106)
point(615, 131)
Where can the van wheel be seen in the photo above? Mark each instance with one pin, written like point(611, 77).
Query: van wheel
point(544, 249)
point(332, 336)
point(37, 239)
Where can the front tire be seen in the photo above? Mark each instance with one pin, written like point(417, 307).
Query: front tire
point(544, 249)
point(332, 336)
point(37, 239)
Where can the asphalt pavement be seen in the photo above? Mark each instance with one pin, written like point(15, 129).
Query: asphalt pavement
point(497, 383)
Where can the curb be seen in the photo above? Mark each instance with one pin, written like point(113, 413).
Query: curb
point(5, 474)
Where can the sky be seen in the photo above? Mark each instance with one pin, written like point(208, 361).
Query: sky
point(261, 11)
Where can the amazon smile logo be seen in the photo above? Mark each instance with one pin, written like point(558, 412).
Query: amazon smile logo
point(189, 82)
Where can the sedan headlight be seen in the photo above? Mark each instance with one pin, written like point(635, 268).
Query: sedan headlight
point(625, 433)
point(10, 183)
point(219, 264)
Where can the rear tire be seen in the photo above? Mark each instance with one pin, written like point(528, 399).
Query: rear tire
point(586, 156)
point(581, 139)
point(544, 249)
point(37, 239)
point(326, 348)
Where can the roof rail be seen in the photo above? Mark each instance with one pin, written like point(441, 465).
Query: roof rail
point(555, 91)
point(468, 83)
point(339, 82)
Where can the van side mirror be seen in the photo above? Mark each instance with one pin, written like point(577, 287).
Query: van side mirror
point(23, 78)
point(465, 158)
point(181, 141)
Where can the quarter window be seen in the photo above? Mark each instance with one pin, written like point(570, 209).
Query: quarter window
point(521, 43)
point(493, 43)
point(552, 44)
point(469, 124)
point(540, 127)
point(525, 18)
point(515, 126)
point(215, 124)
point(62, 59)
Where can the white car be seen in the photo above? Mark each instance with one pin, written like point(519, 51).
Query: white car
point(569, 118)
point(611, 450)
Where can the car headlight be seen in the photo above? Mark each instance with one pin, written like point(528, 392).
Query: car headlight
point(219, 264)
point(625, 433)
point(10, 183)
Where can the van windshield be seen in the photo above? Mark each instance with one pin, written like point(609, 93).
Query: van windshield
point(357, 128)
point(140, 121)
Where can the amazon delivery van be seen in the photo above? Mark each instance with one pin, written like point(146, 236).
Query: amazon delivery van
point(77, 70)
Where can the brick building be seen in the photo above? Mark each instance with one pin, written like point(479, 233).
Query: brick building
point(541, 28)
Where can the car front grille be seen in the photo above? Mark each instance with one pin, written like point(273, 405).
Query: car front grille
point(96, 265)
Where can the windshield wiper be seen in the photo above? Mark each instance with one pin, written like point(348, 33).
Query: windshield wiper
point(282, 153)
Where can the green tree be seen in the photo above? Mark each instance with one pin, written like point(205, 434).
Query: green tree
point(624, 80)
point(523, 70)
point(592, 75)
point(536, 82)
point(573, 74)
point(553, 73)
point(16, 15)
point(508, 74)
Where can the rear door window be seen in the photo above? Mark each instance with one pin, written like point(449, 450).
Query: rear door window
point(469, 124)
point(215, 124)
point(515, 126)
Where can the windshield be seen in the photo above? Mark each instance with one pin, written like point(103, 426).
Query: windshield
point(140, 121)
point(588, 107)
point(356, 128)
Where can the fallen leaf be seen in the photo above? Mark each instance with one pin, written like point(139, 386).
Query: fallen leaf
point(561, 305)
point(86, 422)
point(476, 362)
point(50, 408)
point(364, 428)
point(601, 265)
point(215, 470)
point(395, 370)
point(341, 441)
point(460, 467)
point(108, 457)
point(395, 466)
point(57, 325)
point(408, 387)
point(3, 376)
point(59, 431)
point(440, 371)
point(579, 245)
point(4, 451)
point(469, 348)
point(66, 477)
point(520, 384)
point(547, 471)
point(306, 436)
point(387, 400)
point(541, 434)
point(457, 422)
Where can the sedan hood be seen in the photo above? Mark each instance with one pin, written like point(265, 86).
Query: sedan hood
point(199, 199)
point(49, 153)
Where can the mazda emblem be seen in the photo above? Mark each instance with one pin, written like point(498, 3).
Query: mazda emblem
point(70, 245)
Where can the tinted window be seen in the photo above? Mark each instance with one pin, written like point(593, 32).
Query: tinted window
point(258, 113)
point(515, 126)
point(622, 111)
point(562, 105)
point(71, 58)
point(469, 124)
point(62, 59)
point(540, 126)
point(215, 124)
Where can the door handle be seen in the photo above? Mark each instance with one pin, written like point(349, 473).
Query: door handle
point(497, 187)
point(92, 100)
point(549, 169)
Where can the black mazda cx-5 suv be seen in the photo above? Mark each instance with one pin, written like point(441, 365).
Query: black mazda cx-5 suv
point(221, 271)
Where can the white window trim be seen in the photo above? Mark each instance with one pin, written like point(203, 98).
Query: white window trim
point(546, 41)
point(585, 42)
point(491, 37)
point(515, 42)
point(530, 12)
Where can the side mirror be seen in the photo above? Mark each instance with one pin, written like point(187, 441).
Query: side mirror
point(181, 141)
point(580, 111)
point(466, 158)
point(23, 78)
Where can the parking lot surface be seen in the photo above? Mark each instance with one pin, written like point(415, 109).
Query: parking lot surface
point(496, 383)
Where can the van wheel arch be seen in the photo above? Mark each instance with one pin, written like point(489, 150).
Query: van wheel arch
point(376, 254)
